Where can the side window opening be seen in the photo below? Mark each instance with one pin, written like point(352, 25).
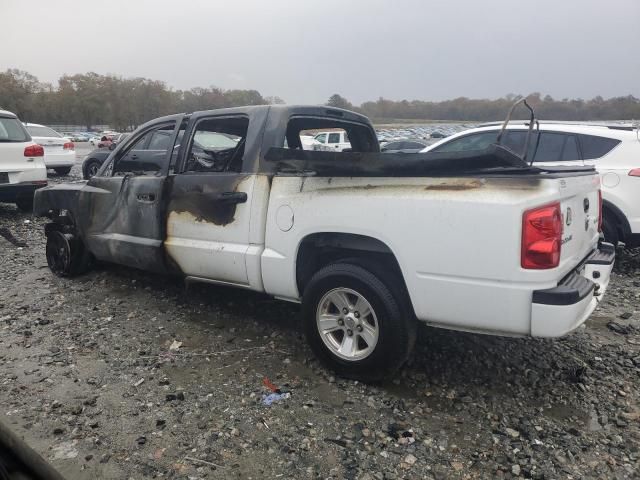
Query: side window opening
point(475, 141)
point(147, 154)
point(217, 145)
point(327, 134)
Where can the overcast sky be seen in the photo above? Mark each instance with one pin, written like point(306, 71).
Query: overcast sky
point(304, 50)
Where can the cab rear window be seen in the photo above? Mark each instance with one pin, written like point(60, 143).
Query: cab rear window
point(11, 130)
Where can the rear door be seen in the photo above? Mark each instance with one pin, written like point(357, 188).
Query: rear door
point(209, 210)
point(122, 208)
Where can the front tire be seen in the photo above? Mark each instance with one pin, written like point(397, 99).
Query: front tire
point(91, 168)
point(66, 254)
point(355, 323)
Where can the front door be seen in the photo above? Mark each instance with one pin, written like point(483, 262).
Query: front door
point(123, 215)
point(208, 214)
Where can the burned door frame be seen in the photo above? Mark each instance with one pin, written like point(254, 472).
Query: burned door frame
point(124, 214)
point(209, 213)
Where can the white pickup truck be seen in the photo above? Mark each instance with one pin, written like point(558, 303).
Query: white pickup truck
point(369, 243)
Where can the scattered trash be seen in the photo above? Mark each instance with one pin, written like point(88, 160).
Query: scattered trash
point(277, 394)
point(175, 346)
point(139, 382)
point(197, 460)
point(267, 383)
point(626, 315)
point(621, 329)
point(65, 450)
point(274, 398)
point(174, 396)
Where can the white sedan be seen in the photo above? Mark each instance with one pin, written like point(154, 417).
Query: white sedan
point(59, 151)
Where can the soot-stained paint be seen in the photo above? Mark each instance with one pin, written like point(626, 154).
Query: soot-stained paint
point(206, 196)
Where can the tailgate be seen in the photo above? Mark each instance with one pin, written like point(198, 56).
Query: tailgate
point(579, 204)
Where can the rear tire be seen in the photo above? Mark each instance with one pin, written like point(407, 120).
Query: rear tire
point(25, 204)
point(63, 170)
point(354, 322)
point(610, 230)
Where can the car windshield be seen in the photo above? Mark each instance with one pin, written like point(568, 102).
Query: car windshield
point(40, 131)
point(11, 130)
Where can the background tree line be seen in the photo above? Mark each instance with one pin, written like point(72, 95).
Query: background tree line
point(468, 109)
point(124, 103)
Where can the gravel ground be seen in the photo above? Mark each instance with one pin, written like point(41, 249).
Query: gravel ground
point(122, 374)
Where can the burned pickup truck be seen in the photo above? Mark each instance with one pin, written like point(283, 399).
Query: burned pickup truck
point(370, 244)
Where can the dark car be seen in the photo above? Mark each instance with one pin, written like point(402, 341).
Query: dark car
point(403, 146)
point(437, 134)
point(92, 162)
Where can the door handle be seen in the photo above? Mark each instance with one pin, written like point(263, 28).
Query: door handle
point(232, 197)
point(146, 197)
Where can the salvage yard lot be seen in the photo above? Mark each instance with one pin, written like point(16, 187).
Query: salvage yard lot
point(123, 374)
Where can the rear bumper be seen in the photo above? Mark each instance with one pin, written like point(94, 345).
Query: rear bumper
point(60, 161)
point(13, 191)
point(560, 310)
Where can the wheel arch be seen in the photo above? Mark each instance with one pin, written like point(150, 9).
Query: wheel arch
point(319, 249)
point(624, 229)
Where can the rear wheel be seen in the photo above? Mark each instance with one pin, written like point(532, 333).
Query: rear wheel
point(66, 254)
point(25, 204)
point(63, 170)
point(355, 323)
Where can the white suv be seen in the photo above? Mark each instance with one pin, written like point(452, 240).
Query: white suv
point(59, 151)
point(22, 168)
point(613, 149)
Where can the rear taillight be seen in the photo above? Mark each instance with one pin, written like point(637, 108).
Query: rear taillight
point(599, 210)
point(635, 172)
point(541, 237)
point(69, 146)
point(34, 151)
